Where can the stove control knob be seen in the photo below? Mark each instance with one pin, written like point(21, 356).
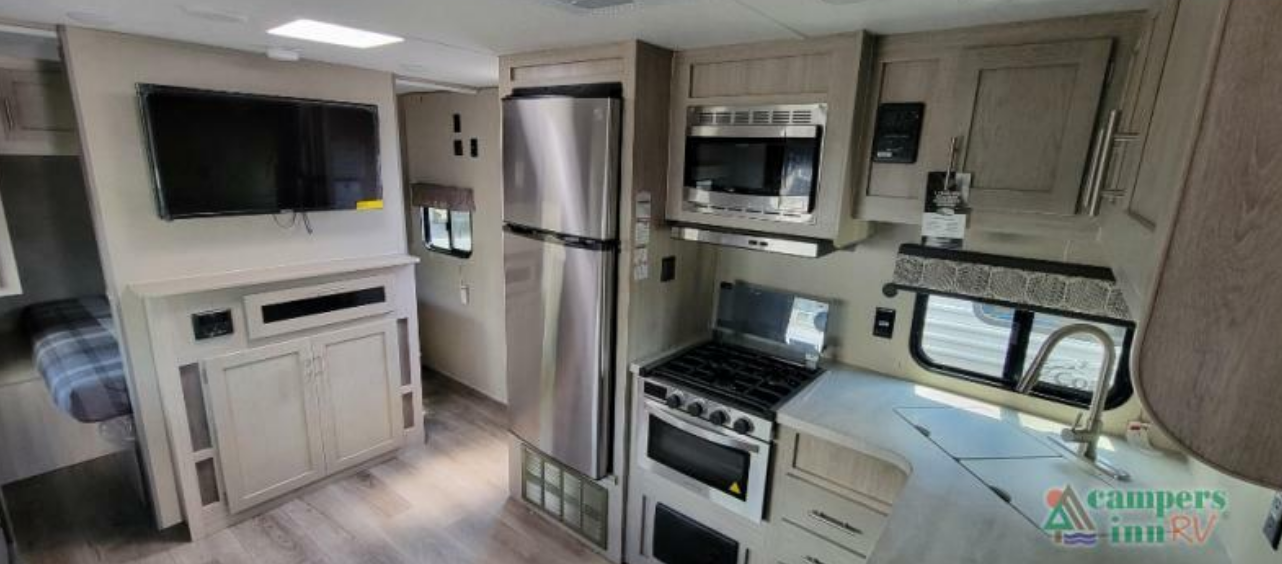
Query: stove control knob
point(695, 409)
point(719, 417)
point(674, 401)
point(743, 426)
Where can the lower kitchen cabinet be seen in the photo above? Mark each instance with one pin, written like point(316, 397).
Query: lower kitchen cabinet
point(288, 414)
point(829, 503)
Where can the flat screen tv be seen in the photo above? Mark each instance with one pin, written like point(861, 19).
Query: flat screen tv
point(220, 153)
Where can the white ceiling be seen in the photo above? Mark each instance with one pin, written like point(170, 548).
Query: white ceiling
point(458, 41)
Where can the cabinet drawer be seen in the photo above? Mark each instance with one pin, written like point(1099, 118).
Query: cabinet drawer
point(798, 546)
point(828, 515)
point(861, 475)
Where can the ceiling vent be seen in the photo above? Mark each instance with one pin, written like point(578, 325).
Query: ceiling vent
point(599, 4)
point(605, 7)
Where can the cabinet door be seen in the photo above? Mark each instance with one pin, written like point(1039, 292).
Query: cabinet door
point(266, 414)
point(361, 393)
point(1136, 224)
point(39, 117)
point(1027, 115)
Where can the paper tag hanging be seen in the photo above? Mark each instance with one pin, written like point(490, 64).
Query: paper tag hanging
point(944, 222)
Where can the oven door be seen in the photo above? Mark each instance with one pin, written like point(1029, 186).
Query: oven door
point(675, 538)
point(725, 468)
point(758, 169)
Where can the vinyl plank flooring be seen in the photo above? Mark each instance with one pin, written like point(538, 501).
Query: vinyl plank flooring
point(220, 548)
point(274, 538)
point(442, 502)
point(340, 544)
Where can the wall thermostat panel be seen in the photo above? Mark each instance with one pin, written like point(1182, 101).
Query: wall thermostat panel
point(898, 132)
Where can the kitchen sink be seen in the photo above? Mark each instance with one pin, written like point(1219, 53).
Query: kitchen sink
point(1020, 466)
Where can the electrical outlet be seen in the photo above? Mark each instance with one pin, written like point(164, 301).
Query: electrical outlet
point(1273, 523)
point(668, 269)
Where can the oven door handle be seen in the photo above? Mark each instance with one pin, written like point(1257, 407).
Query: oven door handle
point(755, 131)
point(705, 431)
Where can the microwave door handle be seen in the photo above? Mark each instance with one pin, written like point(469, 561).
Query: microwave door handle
point(741, 131)
point(705, 431)
point(802, 132)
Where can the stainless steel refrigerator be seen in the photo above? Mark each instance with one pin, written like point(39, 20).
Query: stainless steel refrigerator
point(560, 249)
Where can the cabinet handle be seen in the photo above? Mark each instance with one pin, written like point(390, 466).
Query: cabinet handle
point(812, 560)
point(10, 122)
point(826, 519)
point(1103, 158)
point(1099, 166)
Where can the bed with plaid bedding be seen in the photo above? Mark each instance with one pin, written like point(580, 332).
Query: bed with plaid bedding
point(76, 351)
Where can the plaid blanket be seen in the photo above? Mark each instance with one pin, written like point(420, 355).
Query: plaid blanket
point(77, 353)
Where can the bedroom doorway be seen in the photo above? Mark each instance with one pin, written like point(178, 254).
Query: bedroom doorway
point(64, 403)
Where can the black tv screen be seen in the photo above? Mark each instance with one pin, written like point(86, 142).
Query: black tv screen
point(220, 153)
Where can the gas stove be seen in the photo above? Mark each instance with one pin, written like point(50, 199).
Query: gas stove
point(750, 380)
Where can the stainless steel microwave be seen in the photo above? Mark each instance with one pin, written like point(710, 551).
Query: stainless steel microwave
point(755, 161)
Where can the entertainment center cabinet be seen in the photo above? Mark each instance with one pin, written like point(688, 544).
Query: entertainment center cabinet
point(274, 380)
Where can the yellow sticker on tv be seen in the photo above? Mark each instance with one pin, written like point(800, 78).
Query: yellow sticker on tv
point(369, 205)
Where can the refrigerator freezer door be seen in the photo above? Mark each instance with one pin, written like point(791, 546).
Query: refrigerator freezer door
point(560, 303)
point(560, 165)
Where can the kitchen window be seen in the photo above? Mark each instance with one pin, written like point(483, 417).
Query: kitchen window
point(448, 231)
point(993, 345)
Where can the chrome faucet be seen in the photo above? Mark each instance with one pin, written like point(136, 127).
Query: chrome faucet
point(1085, 434)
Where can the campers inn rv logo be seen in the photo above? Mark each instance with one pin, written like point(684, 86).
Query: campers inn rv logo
point(1133, 517)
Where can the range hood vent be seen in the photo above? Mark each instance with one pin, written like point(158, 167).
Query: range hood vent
point(793, 246)
point(767, 115)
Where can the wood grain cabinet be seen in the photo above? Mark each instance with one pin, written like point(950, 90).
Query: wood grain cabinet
point(1149, 169)
point(36, 113)
point(829, 503)
point(288, 414)
point(1027, 113)
point(1207, 199)
point(1023, 104)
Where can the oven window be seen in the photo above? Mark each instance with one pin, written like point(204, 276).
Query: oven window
point(752, 166)
point(719, 467)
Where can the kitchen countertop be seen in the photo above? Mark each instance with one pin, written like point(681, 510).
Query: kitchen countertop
point(945, 515)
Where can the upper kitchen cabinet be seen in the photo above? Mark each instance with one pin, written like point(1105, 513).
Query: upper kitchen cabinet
point(1027, 112)
point(38, 116)
point(762, 137)
point(1149, 161)
point(1022, 104)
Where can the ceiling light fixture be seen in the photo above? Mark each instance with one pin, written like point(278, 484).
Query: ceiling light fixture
point(321, 32)
point(283, 54)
